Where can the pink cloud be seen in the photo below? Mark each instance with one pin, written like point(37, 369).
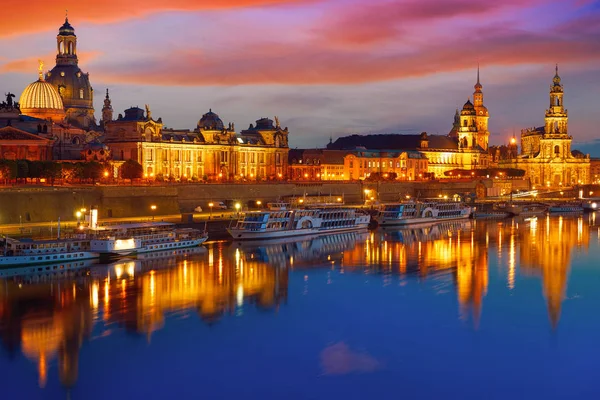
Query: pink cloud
point(379, 22)
point(40, 15)
point(316, 63)
point(30, 64)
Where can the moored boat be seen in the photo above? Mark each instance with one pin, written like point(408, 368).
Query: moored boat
point(20, 252)
point(135, 238)
point(416, 212)
point(262, 225)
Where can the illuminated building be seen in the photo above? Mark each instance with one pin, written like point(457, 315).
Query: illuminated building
point(339, 165)
point(58, 106)
point(41, 100)
point(210, 152)
point(465, 147)
point(16, 144)
point(70, 82)
point(546, 155)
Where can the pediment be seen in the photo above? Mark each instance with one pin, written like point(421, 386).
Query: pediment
point(12, 133)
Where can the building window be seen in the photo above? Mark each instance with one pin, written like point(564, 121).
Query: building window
point(199, 156)
point(556, 150)
point(81, 93)
point(278, 158)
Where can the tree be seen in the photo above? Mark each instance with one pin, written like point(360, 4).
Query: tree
point(131, 170)
point(91, 171)
point(22, 169)
point(69, 171)
point(8, 170)
point(51, 170)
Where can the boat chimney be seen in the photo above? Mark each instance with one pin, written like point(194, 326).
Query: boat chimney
point(58, 229)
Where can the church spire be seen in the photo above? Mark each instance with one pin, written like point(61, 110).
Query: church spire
point(478, 85)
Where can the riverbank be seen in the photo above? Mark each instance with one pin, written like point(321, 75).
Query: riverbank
point(42, 204)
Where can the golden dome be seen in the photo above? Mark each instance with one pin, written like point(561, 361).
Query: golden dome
point(41, 100)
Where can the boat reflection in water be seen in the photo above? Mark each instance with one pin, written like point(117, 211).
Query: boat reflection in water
point(47, 314)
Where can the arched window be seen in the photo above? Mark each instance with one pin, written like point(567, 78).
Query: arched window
point(45, 129)
point(81, 93)
point(557, 150)
point(76, 140)
point(465, 122)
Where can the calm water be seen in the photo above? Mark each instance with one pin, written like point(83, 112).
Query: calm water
point(465, 310)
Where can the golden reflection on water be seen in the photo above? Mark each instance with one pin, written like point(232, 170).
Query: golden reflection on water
point(48, 315)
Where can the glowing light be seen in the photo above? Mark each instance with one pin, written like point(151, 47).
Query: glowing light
point(95, 290)
point(124, 244)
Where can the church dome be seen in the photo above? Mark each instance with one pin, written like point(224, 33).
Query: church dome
point(41, 100)
point(211, 122)
point(468, 108)
point(66, 29)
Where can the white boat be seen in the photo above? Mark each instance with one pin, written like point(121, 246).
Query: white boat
point(298, 222)
point(35, 252)
point(565, 209)
point(135, 238)
point(417, 212)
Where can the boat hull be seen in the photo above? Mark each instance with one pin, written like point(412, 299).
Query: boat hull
point(419, 221)
point(172, 245)
point(42, 259)
point(240, 234)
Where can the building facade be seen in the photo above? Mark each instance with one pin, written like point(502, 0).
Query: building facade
point(16, 144)
point(465, 146)
point(358, 164)
point(211, 152)
point(546, 155)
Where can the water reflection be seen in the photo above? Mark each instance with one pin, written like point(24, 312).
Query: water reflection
point(47, 314)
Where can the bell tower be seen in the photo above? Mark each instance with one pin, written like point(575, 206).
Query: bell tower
point(481, 115)
point(72, 83)
point(556, 115)
point(107, 110)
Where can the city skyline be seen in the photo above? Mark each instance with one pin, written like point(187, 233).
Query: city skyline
point(250, 59)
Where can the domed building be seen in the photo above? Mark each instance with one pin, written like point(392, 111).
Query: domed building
point(72, 84)
point(41, 100)
point(210, 121)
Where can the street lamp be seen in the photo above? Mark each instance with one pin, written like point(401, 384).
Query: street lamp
point(237, 208)
point(153, 209)
point(210, 206)
point(78, 215)
point(258, 203)
point(106, 174)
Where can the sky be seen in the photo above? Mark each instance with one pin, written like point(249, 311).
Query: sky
point(326, 68)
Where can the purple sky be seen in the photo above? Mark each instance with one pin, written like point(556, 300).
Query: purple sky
point(325, 67)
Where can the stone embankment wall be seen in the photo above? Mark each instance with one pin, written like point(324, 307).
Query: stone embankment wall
point(47, 203)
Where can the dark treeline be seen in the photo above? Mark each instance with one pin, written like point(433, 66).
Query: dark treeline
point(20, 171)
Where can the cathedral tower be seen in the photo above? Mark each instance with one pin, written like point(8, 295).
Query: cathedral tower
point(556, 115)
point(482, 115)
point(71, 83)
